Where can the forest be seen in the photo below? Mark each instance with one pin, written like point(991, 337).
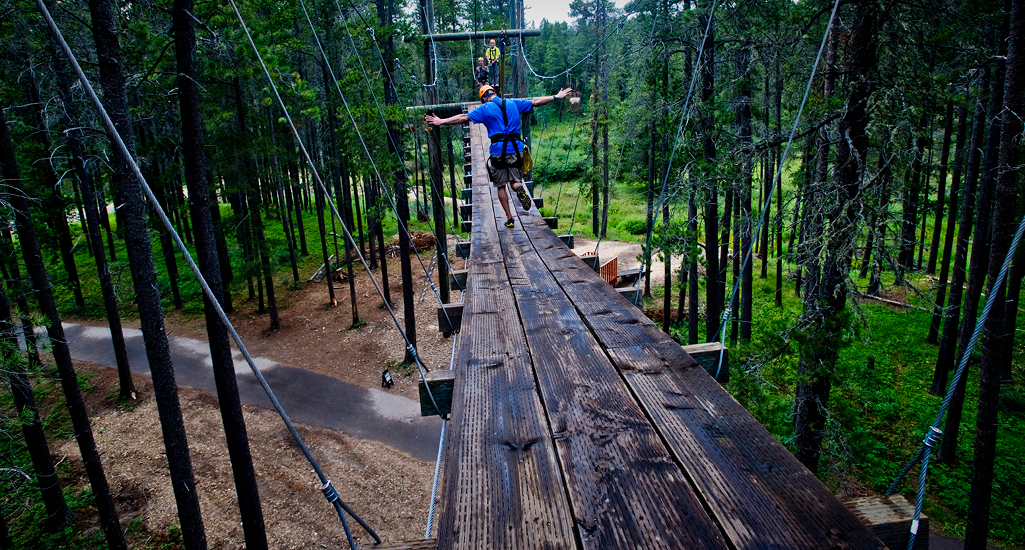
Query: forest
point(833, 188)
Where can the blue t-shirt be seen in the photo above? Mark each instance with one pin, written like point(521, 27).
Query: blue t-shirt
point(490, 115)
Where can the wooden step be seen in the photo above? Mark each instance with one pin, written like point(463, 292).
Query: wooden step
point(466, 210)
point(591, 260)
point(463, 249)
point(567, 240)
point(629, 293)
point(553, 223)
point(441, 383)
point(426, 544)
point(450, 318)
point(539, 202)
point(889, 518)
point(457, 279)
point(707, 355)
point(466, 226)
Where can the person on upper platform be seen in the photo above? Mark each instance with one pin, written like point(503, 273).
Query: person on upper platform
point(480, 72)
point(502, 119)
point(493, 54)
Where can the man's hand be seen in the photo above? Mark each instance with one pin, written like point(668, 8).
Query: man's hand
point(563, 93)
point(432, 120)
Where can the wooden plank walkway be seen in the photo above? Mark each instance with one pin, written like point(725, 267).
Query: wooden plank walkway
point(576, 423)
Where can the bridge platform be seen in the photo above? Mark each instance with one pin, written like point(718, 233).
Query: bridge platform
point(577, 424)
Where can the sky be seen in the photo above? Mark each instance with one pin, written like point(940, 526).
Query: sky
point(552, 10)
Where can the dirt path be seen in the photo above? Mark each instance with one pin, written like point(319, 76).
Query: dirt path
point(308, 397)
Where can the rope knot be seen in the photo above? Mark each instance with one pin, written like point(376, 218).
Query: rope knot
point(329, 492)
point(371, 31)
point(932, 437)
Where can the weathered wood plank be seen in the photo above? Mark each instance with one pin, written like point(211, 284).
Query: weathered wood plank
point(501, 486)
point(425, 544)
point(757, 491)
point(625, 489)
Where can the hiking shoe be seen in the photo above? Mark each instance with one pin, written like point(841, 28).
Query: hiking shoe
point(521, 193)
point(509, 222)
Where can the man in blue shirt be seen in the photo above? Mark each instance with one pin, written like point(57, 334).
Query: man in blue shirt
point(502, 119)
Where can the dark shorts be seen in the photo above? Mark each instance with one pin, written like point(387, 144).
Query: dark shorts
point(504, 176)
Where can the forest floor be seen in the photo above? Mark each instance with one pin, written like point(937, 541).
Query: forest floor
point(390, 490)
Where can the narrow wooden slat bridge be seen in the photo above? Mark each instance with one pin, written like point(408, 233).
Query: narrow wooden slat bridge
point(577, 423)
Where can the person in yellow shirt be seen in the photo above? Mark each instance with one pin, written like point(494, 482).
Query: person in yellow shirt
point(493, 54)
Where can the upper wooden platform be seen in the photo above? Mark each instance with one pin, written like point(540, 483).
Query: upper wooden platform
point(576, 423)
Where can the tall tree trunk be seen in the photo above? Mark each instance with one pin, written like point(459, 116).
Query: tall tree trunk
point(1007, 191)
point(941, 191)
point(743, 121)
point(712, 283)
point(58, 515)
point(328, 272)
point(61, 354)
point(825, 301)
point(295, 201)
point(194, 167)
point(945, 359)
point(105, 216)
point(948, 239)
point(140, 258)
point(283, 209)
point(53, 203)
point(980, 259)
point(84, 180)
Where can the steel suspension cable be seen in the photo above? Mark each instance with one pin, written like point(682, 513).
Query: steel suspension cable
point(330, 201)
point(684, 119)
point(724, 321)
point(326, 486)
point(384, 187)
point(391, 140)
point(933, 435)
point(626, 131)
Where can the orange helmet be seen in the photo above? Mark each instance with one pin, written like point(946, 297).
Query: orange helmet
point(484, 90)
point(480, 59)
point(492, 41)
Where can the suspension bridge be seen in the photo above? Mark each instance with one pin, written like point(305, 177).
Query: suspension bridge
point(577, 423)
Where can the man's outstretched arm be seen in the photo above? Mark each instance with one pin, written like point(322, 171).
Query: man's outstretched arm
point(461, 118)
point(539, 101)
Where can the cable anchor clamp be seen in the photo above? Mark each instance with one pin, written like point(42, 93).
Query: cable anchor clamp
point(932, 437)
point(329, 492)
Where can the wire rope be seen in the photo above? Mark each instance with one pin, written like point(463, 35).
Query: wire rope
point(379, 178)
point(330, 201)
point(391, 141)
point(626, 132)
point(326, 487)
point(727, 311)
point(684, 120)
point(934, 432)
point(619, 27)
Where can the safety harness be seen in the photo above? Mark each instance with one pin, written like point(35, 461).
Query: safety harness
point(499, 162)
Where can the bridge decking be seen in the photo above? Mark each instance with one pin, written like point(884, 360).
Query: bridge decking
point(577, 423)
